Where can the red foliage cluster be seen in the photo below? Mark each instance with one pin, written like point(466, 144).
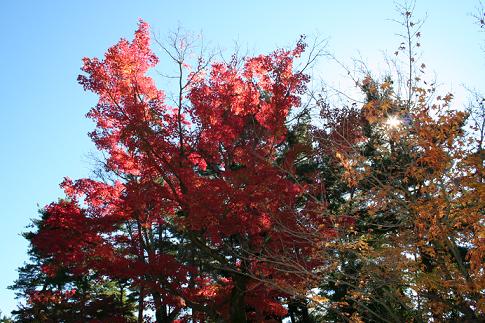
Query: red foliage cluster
point(202, 176)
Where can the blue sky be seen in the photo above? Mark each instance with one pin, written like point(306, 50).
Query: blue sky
point(42, 124)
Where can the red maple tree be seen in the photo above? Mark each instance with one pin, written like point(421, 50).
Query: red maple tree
point(201, 201)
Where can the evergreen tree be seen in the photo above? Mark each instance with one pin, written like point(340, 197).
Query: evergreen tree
point(59, 294)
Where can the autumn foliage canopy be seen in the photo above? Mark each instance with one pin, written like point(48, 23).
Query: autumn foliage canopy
point(229, 203)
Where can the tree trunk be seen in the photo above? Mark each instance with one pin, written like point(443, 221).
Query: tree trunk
point(140, 305)
point(238, 305)
point(160, 309)
point(291, 312)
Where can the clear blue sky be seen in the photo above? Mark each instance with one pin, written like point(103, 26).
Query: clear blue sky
point(42, 108)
